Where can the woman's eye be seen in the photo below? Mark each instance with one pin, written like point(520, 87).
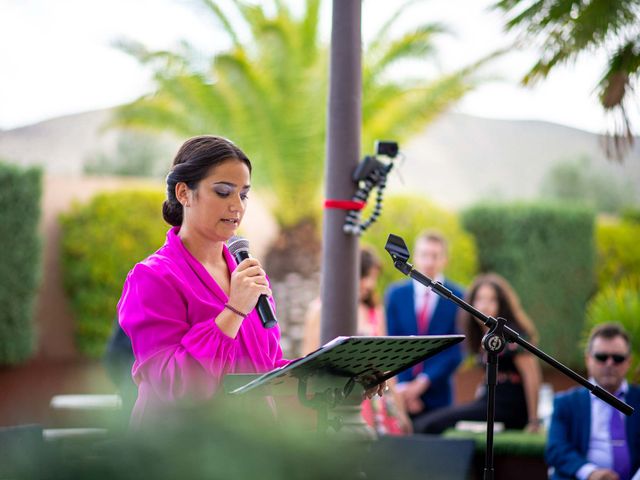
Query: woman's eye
point(222, 193)
point(244, 196)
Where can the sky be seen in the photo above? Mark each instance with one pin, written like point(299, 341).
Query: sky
point(57, 57)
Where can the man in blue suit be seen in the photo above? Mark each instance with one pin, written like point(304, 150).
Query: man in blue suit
point(412, 309)
point(589, 439)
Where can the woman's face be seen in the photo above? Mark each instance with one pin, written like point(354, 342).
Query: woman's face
point(486, 300)
point(216, 207)
point(368, 283)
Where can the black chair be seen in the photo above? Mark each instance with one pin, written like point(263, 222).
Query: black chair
point(420, 457)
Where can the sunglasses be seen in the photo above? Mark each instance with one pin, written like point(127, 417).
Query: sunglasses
point(603, 357)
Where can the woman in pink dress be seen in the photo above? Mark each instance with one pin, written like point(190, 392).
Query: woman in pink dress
point(189, 309)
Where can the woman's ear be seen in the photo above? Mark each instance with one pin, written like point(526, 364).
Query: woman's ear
point(183, 194)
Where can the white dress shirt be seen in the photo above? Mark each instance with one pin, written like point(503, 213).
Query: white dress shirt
point(420, 293)
point(600, 454)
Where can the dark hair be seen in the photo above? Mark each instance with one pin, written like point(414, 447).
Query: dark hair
point(509, 308)
point(433, 236)
point(608, 331)
point(368, 262)
point(195, 159)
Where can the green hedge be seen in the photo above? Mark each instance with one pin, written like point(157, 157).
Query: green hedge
point(547, 253)
point(407, 216)
point(631, 214)
point(618, 303)
point(20, 194)
point(507, 442)
point(101, 242)
point(618, 244)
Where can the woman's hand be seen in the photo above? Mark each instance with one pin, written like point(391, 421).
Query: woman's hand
point(534, 426)
point(248, 282)
point(377, 389)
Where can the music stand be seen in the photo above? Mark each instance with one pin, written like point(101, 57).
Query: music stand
point(328, 377)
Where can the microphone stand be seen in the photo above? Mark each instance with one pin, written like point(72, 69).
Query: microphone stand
point(493, 342)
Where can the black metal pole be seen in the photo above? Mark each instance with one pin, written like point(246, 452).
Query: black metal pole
point(492, 375)
point(340, 251)
point(493, 343)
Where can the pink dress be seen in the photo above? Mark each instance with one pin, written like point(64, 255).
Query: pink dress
point(380, 413)
point(168, 308)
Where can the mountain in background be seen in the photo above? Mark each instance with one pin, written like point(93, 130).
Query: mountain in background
point(455, 161)
point(460, 159)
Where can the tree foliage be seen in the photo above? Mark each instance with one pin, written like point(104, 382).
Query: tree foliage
point(575, 180)
point(563, 30)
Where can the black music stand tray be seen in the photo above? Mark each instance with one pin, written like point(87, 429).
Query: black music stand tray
point(328, 377)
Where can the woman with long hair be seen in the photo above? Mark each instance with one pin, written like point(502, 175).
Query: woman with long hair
point(519, 374)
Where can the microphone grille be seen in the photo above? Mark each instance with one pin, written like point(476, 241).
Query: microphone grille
point(237, 244)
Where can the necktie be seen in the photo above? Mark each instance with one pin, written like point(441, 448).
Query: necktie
point(619, 449)
point(423, 316)
point(423, 325)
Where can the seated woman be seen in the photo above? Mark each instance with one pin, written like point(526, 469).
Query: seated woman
point(519, 374)
point(385, 415)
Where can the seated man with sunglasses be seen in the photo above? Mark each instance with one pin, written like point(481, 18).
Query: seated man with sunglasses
point(588, 439)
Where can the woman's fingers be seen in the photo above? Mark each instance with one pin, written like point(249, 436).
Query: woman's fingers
point(379, 390)
point(252, 271)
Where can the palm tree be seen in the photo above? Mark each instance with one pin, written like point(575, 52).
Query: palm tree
point(269, 94)
point(567, 29)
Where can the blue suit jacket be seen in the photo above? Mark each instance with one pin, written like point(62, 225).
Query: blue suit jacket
point(401, 320)
point(570, 430)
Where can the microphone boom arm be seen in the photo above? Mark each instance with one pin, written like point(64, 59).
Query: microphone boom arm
point(399, 252)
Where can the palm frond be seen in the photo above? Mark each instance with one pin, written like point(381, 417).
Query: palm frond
point(416, 44)
point(268, 92)
point(381, 36)
point(567, 29)
point(224, 21)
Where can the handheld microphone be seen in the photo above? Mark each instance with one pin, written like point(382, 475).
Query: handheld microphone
point(239, 248)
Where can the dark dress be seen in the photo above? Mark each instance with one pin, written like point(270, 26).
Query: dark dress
point(511, 405)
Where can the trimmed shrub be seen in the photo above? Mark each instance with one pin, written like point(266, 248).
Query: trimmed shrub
point(618, 303)
point(631, 214)
point(407, 216)
point(547, 253)
point(101, 242)
point(618, 245)
point(20, 194)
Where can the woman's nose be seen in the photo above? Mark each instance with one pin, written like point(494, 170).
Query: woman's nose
point(236, 204)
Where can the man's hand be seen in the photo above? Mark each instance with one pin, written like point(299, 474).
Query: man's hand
point(413, 405)
point(417, 386)
point(603, 474)
point(411, 394)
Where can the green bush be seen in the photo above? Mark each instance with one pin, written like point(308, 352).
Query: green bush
point(618, 245)
point(631, 214)
point(101, 242)
point(20, 194)
point(618, 303)
point(507, 442)
point(577, 180)
point(407, 216)
point(547, 253)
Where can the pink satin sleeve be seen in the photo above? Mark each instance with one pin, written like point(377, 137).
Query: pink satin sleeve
point(176, 359)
